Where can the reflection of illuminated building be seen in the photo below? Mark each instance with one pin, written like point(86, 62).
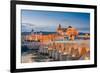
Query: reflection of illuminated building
point(68, 50)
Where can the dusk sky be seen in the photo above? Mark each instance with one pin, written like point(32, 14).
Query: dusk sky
point(49, 20)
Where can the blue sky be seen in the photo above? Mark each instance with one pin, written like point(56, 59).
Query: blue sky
point(49, 20)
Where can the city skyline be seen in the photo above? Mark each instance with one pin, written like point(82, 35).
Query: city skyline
point(49, 20)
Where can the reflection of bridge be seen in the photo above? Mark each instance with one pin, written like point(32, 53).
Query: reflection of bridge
point(62, 50)
point(67, 50)
point(32, 45)
point(76, 41)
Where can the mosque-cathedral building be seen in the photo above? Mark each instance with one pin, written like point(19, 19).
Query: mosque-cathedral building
point(70, 32)
point(61, 33)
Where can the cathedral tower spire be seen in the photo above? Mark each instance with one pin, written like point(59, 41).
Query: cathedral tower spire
point(59, 26)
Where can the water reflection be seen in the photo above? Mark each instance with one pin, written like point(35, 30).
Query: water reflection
point(56, 51)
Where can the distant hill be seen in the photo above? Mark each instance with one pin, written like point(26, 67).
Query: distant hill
point(25, 33)
point(41, 32)
point(81, 33)
point(46, 33)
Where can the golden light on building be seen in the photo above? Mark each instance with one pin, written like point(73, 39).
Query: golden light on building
point(61, 33)
point(71, 33)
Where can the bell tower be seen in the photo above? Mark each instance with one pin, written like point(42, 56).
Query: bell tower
point(59, 27)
